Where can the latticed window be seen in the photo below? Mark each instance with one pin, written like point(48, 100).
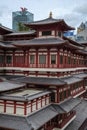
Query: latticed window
point(64, 94)
point(69, 60)
point(42, 59)
point(59, 34)
point(19, 59)
point(1, 59)
point(46, 33)
point(53, 59)
point(74, 61)
point(32, 59)
point(61, 59)
point(8, 59)
point(61, 96)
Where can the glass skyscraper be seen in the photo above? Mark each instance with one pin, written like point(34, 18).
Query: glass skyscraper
point(22, 16)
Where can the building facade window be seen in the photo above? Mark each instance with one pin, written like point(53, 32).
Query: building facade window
point(32, 59)
point(74, 61)
point(59, 34)
point(1, 59)
point(64, 94)
point(69, 60)
point(60, 96)
point(42, 59)
point(8, 59)
point(19, 59)
point(46, 33)
point(53, 59)
point(61, 59)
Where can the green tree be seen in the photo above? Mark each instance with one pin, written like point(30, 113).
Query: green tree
point(22, 27)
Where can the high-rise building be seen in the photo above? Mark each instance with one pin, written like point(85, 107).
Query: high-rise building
point(20, 17)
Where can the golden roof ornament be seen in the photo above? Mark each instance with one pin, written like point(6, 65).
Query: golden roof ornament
point(50, 15)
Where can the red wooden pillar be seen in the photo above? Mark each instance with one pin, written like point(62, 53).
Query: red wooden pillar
point(15, 107)
point(4, 106)
point(31, 105)
point(48, 57)
point(28, 58)
point(14, 58)
point(58, 59)
point(25, 108)
point(63, 65)
point(4, 63)
point(57, 95)
point(67, 62)
point(36, 58)
point(24, 58)
point(41, 101)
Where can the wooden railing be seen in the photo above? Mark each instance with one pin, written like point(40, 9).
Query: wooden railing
point(66, 120)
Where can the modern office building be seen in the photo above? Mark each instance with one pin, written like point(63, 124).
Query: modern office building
point(20, 17)
point(43, 78)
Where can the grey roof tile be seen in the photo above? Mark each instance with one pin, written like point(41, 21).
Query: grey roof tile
point(69, 104)
point(81, 115)
point(41, 80)
point(7, 85)
point(40, 41)
point(71, 79)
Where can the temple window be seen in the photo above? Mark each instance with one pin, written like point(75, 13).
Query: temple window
point(46, 33)
point(64, 94)
point(53, 59)
point(74, 61)
point(69, 60)
point(60, 96)
point(59, 34)
point(42, 59)
point(61, 59)
point(52, 97)
point(1, 59)
point(32, 59)
point(8, 59)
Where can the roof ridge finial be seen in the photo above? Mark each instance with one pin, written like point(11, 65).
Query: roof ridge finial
point(50, 15)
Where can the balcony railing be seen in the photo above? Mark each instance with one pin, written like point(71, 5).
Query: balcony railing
point(66, 120)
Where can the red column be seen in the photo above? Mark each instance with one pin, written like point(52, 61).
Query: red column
point(13, 58)
point(4, 63)
point(4, 106)
point(41, 101)
point(58, 59)
point(58, 95)
point(25, 108)
point(28, 58)
point(14, 107)
point(31, 106)
point(36, 58)
point(24, 58)
point(48, 57)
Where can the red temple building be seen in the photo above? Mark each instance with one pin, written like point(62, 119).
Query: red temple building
point(43, 78)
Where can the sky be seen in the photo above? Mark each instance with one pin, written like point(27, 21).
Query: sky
point(72, 11)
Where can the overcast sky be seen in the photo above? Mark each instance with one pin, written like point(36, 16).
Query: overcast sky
point(72, 11)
